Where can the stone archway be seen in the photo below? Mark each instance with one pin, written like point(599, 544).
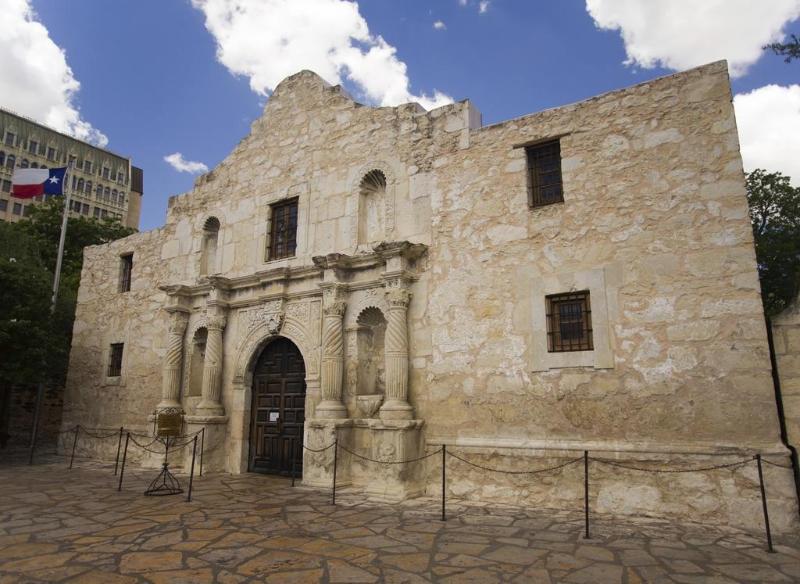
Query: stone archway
point(277, 412)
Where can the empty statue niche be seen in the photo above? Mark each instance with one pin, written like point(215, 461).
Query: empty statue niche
point(196, 362)
point(371, 361)
point(208, 257)
point(372, 207)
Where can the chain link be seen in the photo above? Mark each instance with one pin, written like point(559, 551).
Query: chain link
point(776, 464)
point(517, 472)
point(320, 450)
point(671, 470)
point(390, 461)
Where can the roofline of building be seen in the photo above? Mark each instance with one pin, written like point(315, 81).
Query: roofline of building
point(50, 129)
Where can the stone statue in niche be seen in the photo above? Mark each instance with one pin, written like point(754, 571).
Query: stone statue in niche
point(371, 362)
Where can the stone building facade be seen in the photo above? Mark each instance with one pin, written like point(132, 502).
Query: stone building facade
point(581, 278)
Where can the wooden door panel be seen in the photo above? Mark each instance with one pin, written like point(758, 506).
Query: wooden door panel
point(278, 409)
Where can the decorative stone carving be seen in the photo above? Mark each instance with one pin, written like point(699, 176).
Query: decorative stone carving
point(171, 369)
point(332, 353)
point(368, 404)
point(396, 406)
point(210, 404)
point(270, 313)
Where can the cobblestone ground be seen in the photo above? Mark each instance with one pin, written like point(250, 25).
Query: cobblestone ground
point(73, 526)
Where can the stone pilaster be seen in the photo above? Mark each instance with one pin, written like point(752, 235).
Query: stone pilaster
point(396, 406)
point(210, 404)
point(333, 308)
point(173, 360)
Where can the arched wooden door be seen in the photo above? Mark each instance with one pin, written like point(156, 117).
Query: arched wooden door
point(278, 409)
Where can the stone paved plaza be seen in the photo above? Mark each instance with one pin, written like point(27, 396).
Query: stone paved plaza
point(58, 525)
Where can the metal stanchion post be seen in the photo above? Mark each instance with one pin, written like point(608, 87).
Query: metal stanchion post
point(444, 486)
point(74, 444)
point(335, 461)
point(586, 491)
point(294, 459)
point(124, 457)
point(191, 474)
point(202, 447)
point(764, 504)
point(119, 447)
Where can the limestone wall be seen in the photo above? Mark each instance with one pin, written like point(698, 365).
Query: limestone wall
point(786, 338)
point(654, 224)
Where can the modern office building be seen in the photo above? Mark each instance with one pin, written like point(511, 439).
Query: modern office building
point(101, 183)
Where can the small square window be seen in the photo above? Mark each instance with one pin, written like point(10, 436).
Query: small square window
point(115, 359)
point(283, 230)
point(125, 272)
point(569, 322)
point(544, 172)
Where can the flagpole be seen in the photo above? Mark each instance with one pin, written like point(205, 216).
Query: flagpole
point(56, 281)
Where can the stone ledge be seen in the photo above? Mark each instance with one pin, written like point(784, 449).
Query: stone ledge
point(206, 420)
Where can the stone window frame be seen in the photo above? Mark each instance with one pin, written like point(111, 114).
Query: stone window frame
point(301, 203)
point(125, 272)
point(105, 360)
point(596, 281)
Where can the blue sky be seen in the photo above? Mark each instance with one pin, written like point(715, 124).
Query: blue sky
point(152, 84)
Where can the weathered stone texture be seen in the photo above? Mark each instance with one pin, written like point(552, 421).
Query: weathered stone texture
point(786, 339)
point(654, 223)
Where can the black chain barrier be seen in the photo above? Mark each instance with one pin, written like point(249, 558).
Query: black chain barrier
point(410, 460)
point(788, 466)
point(517, 472)
point(671, 470)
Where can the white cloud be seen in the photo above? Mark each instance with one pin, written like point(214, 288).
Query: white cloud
point(177, 162)
point(268, 40)
point(462, 2)
point(483, 6)
point(439, 25)
point(35, 79)
point(768, 119)
point(679, 34)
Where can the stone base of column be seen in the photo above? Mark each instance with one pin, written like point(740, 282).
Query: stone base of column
point(395, 409)
point(390, 441)
point(169, 404)
point(318, 466)
point(331, 410)
point(209, 409)
point(213, 443)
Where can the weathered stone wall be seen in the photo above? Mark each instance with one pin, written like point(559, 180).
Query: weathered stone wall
point(654, 223)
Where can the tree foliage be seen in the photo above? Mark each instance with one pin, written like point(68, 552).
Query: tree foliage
point(775, 217)
point(788, 51)
point(34, 343)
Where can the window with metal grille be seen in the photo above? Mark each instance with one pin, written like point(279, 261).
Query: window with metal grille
point(283, 230)
point(115, 359)
point(544, 170)
point(125, 271)
point(569, 322)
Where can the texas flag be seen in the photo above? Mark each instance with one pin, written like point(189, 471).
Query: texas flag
point(27, 183)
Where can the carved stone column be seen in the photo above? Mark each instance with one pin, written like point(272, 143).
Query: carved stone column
point(210, 404)
point(173, 360)
point(396, 406)
point(333, 308)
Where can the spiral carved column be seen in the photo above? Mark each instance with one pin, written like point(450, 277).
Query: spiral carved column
point(210, 404)
point(331, 405)
point(173, 359)
point(396, 406)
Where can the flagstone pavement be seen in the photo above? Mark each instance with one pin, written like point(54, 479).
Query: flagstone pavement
point(59, 525)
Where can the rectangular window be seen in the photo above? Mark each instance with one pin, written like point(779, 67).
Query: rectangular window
point(71, 160)
point(87, 167)
point(96, 212)
point(85, 209)
point(33, 147)
point(3, 204)
point(569, 322)
point(105, 172)
point(51, 154)
point(6, 186)
point(26, 210)
point(125, 271)
point(283, 230)
point(17, 210)
point(10, 138)
point(115, 359)
point(544, 171)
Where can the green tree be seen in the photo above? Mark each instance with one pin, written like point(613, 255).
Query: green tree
point(775, 217)
point(789, 51)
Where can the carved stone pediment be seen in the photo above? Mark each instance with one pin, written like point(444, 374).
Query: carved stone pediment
point(271, 314)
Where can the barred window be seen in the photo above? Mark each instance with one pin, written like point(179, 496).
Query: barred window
point(569, 322)
point(544, 170)
point(115, 359)
point(283, 230)
point(125, 271)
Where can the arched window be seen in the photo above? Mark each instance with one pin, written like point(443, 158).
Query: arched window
point(208, 253)
point(34, 165)
point(371, 207)
point(24, 163)
point(10, 161)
